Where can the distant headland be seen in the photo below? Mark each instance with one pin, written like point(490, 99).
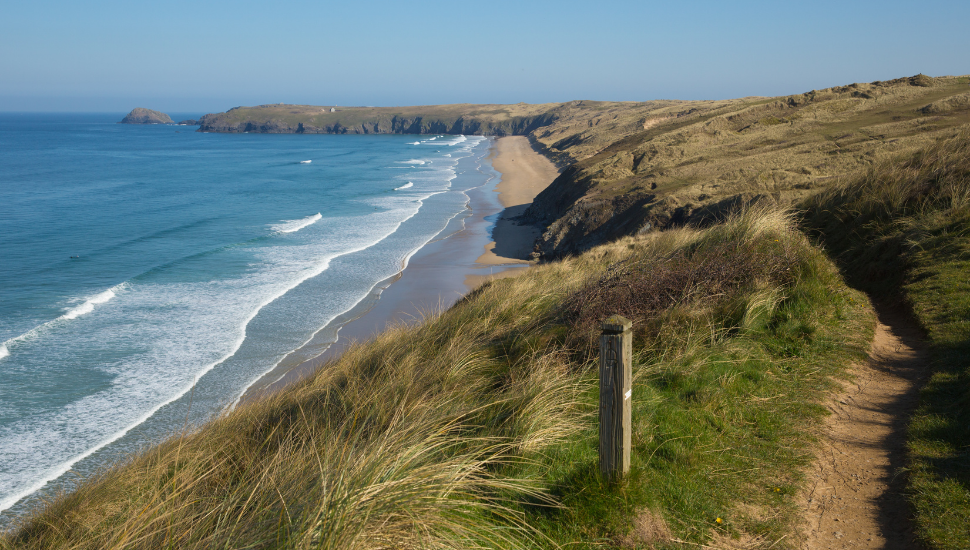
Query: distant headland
point(496, 120)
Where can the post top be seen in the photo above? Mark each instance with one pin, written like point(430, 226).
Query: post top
point(617, 324)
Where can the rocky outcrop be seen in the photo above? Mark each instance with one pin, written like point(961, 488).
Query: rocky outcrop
point(141, 115)
point(188, 122)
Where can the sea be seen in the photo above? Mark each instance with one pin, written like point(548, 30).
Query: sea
point(150, 274)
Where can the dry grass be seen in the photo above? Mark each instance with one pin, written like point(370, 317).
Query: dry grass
point(731, 261)
point(699, 161)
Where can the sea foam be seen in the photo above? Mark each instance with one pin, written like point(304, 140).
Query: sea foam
point(407, 185)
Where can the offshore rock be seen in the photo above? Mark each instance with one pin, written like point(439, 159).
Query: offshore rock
point(140, 115)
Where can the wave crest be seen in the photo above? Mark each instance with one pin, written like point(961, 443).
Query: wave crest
point(88, 305)
point(292, 226)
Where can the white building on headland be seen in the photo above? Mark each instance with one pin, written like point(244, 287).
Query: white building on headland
point(333, 109)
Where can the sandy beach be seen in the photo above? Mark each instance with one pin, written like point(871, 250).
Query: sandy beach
point(525, 174)
point(452, 264)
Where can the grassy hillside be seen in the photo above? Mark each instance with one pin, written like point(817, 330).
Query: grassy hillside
point(639, 169)
point(476, 428)
point(902, 231)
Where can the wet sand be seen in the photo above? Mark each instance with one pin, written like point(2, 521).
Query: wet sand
point(455, 262)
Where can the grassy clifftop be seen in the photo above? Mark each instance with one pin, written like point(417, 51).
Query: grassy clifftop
point(309, 119)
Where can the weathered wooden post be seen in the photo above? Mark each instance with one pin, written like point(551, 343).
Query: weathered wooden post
point(616, 389)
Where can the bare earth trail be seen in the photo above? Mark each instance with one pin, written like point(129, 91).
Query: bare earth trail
point(854, 497)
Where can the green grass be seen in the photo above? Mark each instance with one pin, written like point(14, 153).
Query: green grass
point(903, 232)
point(476, 427)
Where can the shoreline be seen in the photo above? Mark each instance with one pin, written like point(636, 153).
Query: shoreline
point(449, 266)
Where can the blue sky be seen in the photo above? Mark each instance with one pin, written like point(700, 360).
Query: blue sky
point(199, 56)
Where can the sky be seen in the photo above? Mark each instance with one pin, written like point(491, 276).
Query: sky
point(200, 56)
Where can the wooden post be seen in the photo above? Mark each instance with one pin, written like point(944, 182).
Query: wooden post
point(616, 383)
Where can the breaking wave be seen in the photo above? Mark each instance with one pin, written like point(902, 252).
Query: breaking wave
point(292, 226)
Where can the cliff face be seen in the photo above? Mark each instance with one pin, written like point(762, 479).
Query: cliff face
point(381, 124)
point(141, 115)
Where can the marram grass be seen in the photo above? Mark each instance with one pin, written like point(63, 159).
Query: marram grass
point(475, 428)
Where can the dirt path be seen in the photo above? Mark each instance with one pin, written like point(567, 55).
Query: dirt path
point(854, 497)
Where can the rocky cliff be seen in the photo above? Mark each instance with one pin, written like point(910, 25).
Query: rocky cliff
point(446, 119)
point(141, 115)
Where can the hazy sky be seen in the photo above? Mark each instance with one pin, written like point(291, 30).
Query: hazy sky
point(199, 56)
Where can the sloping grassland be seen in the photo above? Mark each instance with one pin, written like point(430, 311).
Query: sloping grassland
point(640, 166)
point(476, 428)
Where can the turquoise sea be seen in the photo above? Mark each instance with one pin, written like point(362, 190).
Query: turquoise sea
point(150, 274)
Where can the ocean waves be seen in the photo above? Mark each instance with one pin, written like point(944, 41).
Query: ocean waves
point(87, 306)
point(115, 370)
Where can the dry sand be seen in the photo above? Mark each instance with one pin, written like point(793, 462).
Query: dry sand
point(525, 174)
point(855, 494)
